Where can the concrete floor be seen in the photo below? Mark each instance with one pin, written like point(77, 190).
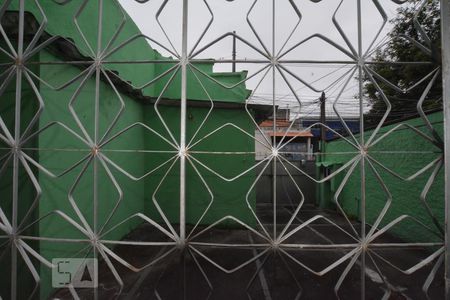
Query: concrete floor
point(182, 275)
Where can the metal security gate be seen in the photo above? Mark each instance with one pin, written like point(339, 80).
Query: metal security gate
point(128, 156)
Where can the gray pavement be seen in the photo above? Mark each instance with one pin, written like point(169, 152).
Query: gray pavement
point(185, 274)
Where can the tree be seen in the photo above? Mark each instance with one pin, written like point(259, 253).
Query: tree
point(402, 48)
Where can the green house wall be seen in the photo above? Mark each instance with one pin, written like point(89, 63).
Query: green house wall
point(228, 197)
point(405, 153)
point(59, 149)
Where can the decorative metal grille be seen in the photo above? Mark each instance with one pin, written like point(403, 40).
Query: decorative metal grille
point(71, 108)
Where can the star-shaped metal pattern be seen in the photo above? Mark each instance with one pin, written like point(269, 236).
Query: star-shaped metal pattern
point(137, 163)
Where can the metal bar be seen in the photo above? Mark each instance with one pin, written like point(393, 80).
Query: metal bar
point(95, 149)
point(227, 61)
point(16, 153)
point(445, 35)
point(362, 148)
point(182, 153)
point(274, 142)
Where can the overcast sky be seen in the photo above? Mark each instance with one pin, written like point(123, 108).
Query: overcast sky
point(232, 16)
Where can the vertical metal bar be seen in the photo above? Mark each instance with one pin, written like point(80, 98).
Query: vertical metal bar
point(96, 129)
point(95, 162)
point(14, 226)
point(97, 71)
point(17, 112)
point(445, 35)
point(274, 145)
point(184, 62)
point(362, 149)
point(97, 111)
point(95, 149)
point(17, 121)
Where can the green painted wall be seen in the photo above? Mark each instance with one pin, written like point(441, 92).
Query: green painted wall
point(26, 190)
point(57, 154)
point(405, 153)
point(229, 197)
point(59, 149)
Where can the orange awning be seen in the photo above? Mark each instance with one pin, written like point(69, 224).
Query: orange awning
point(291, 134)
point(279, 123)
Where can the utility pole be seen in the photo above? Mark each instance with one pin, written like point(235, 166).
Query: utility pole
point(322, 174)
point(323, 131)
point(233, 54)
